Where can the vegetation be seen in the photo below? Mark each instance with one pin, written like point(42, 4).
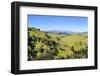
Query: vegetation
point(53, 46)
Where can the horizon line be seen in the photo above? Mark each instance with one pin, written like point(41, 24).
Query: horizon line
point(56, 30)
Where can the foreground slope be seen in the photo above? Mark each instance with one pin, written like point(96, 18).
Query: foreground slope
point(49, 46)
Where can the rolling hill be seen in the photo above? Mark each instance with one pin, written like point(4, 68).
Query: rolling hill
point(54, 45)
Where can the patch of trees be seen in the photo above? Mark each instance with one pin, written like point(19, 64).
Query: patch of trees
point(82, 53)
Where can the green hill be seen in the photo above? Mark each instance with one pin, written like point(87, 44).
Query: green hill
point(53, 46)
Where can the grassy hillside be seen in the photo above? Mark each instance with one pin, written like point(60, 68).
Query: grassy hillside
point(50, 46)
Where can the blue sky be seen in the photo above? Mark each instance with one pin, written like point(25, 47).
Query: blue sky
point(66, 23)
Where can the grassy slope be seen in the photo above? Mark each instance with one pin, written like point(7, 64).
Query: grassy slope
point(64, 43)
point(75, 40)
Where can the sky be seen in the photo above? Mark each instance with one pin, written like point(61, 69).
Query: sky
point(65, 23)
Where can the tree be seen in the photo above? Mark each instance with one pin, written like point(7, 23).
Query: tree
point(72, 48)
point(38, 29)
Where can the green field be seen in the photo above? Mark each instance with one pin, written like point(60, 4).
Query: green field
point(54, 46)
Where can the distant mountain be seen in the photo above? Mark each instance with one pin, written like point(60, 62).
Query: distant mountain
point(85, 34)
point(63, 32)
